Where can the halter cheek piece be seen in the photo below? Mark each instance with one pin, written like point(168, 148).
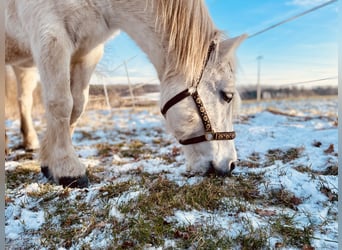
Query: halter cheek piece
point(209, 134)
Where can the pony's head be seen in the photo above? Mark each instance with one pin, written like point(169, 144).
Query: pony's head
point(201, 118)
point(199, 60)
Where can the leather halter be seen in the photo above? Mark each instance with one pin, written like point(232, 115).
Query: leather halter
point(209, 134)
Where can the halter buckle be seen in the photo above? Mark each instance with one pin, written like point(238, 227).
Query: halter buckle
point(209, 136)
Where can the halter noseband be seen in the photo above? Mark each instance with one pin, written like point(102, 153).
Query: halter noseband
point(209, 134)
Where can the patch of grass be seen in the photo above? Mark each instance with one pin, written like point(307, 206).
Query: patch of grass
point(171, 157)
point(23, 174)
point(135, 149)
point(70, 220)
point(303, 169)
point(114, 190)
point(91, 173)
point(272, 155)
point(286, 156)
point(22, 157)
point(147, 225)
point(104, 149)
point(330, 170)
point(201, 237)
point(207, 194)
point(139, 231)
point(332, 196)
point(253, 161)
point(307, 170)
point(292, 154)
point(210, 237)
point(284, 198)
point(254, 239)
point(247, 186)
point(69, 226)
point(43, 191)
point(285, 226)
point(85, 135)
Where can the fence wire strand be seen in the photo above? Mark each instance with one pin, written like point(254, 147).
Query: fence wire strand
point(292, 18)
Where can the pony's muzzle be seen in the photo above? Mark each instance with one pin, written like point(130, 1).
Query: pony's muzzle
point(213, 169)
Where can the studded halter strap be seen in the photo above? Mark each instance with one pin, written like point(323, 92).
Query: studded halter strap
point(209, 134)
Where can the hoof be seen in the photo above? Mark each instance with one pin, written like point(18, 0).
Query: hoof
point(31, 150)
point(74, 182)
point(45, 171)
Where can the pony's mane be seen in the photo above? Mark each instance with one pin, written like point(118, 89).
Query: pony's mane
point(189, 30)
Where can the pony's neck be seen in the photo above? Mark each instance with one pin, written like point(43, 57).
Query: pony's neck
point(138, 21)
point(175, 35)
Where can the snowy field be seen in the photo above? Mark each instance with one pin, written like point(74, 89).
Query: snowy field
point(282, 195)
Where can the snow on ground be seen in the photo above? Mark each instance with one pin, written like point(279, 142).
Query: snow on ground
point(295, 155)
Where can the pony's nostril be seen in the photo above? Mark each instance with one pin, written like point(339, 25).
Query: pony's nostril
point(232, 166)
point(211, 169)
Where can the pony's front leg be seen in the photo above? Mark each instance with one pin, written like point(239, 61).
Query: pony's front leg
point(59, 159)
point(81, 71)
point(26, 83)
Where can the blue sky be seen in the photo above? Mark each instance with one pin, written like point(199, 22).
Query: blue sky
point(301, 50)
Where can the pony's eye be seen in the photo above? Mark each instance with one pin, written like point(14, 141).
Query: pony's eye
point(227, 96)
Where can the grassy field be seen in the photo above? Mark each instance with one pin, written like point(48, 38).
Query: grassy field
point(282, 195)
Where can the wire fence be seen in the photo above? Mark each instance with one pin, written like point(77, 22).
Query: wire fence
point(102, 75)
point(292, 18)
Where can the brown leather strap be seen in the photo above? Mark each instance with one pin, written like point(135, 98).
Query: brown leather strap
point(215, 136)
point(224, 135)
point(177, 98)
point(185, 93)
point(202, 112)
point(193, 140)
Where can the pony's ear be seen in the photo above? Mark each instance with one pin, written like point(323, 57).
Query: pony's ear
point(228, 47)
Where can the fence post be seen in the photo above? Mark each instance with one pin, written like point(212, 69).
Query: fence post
point(129, 85)
point(100, 77)
point(258, 81)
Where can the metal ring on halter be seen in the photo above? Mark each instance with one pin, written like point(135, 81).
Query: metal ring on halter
point(209, 134)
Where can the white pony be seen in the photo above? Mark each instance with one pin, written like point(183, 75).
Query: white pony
point(64, 40)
